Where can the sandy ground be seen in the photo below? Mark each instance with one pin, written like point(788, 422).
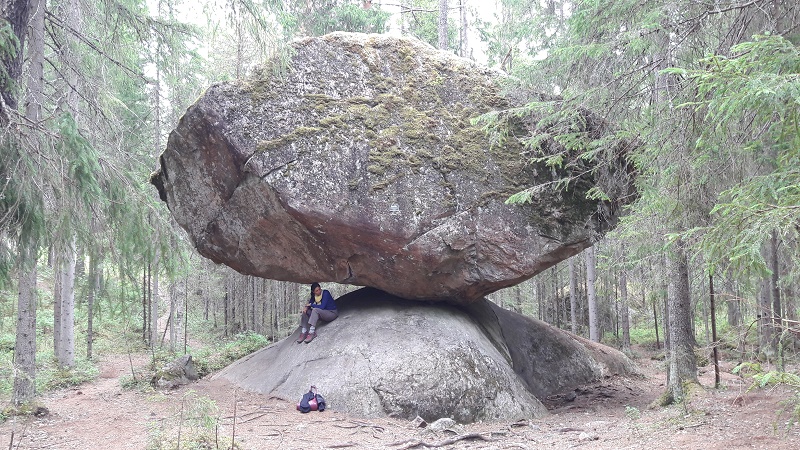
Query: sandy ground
point(611, 414)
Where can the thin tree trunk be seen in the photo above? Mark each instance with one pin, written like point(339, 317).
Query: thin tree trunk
point(225, 301)
point(463, 31)
point(556, 300)
point(16, 13)
point(154, 299)
point(66, 354)
point(573, 300)
point(624, 316)
point(777, 313)
point(591, 295)
point(173, 299)
point(94, 284)
point(715, 351)
point(765, 317)
point(655, 322)
point(25, 344)
point(144, 303)
point(57, 302)
point(442, 25)
point(682, 360)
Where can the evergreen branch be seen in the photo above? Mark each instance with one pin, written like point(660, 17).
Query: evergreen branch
point(60, 23)
point(74, 89)
point(411, 9)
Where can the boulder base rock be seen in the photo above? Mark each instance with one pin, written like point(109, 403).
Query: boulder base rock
point(361, 163)
point(385, 356)
point(178, 372)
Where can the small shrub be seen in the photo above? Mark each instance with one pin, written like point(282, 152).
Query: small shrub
point(764, 379)
point(193, 424)
point(215, 357)
point(643, 336)
point(63, 377)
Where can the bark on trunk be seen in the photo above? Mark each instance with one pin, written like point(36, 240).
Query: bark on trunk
point(682, 360)
point(442, 26)
point(624, 316)
point(25, 344)
point(16, 12)
point(94, 286)
point(463, 30)
point(777, 311)
point(573, 301)
point(594, 326)
point(66, 350)
point(154, 309)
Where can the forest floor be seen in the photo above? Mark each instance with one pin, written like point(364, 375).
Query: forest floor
point(611, 414)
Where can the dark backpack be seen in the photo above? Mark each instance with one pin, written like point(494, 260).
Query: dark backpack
point(311, 401)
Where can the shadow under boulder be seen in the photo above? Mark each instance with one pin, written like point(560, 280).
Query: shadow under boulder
point(386, 356)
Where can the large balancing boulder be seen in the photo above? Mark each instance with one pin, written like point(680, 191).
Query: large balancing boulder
point(385, 356)
point(360, 162)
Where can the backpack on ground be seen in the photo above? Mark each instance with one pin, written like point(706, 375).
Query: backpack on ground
point(311, 401)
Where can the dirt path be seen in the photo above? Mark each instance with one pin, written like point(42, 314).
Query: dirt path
point(612, 414)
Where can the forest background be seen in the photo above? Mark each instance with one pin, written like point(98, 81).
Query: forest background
point(704, 260)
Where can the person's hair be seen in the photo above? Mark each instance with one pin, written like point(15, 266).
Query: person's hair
point(314, 286)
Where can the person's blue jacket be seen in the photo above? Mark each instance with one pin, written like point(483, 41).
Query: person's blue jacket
point(326, 303)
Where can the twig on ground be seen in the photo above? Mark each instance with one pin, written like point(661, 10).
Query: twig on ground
point(411, 443)
point(361, 425)
point(520, 423)
point(342, 445)
point(252, 418)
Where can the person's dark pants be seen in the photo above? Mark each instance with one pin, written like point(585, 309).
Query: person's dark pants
point(315, 315)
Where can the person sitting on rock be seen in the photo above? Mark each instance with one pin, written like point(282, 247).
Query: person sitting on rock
point(320, 306)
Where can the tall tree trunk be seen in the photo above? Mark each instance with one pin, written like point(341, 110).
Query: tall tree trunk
point(225, 301)
point(682, 360)
point(58, 291)
point(145, 284)
point(154, 300)
point(713, 306)
point(765, 316)
point(94, 285)
point(777, 312)
point(556, 298)
point(573, 300)
point(442, 25)
point(171, 316)
point(25, 344)
point(66, 353)
point(463, 30)
point(624, 318)
point(539, 298)
point(655, 322)
point(732, 302)
point(591, 295)
point(16, 12)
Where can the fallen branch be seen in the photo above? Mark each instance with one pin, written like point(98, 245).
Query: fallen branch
point(342, 445)
point(361, 425)
point(252, 418)
point(417, 443)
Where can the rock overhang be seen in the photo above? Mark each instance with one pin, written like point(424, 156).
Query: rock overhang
point(363, 164)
